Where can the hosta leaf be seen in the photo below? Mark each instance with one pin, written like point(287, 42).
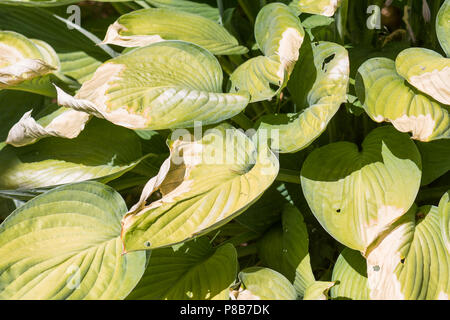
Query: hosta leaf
point(177, 83)
point(426, 70)
point(435, 159)
point(350, 275)
point(201, 9)
point(204, 183)
point(318, 86)
point(411, 261)
point(322, 7)
point(264, 284)
point(356, 195)
point(387, 97)
point(23, 59)
point(285, 249)
point(76, 48)
point(193, 270)
point(103, 151)
point(279, 35)
point(443, 28)
point(12, 105)
point(38, 3)
point(318, 290)
point(65, 244)
point(62, 122)
point(143, 27)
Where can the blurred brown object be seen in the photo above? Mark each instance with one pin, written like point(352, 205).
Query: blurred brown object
point(391, 17)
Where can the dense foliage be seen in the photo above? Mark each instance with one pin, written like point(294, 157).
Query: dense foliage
point(242, 149)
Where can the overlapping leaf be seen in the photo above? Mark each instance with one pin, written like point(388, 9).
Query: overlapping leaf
point(387, 97)
point(322, 7)
point(66, 244)
point(426, 70)
point(193, 271)
point(318, 86)
point(103, 151)
point(204, 183)
point(143, 27)
point(164, 85)
point(23, 61)
point(357, 194)
point(279, 35)
point(264, 284)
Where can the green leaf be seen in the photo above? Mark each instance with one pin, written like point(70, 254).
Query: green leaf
point(65, 244)
point(322, 7)
point(350, 275)
point(444, 214)
point(206, 182)
point(426, 70)
point(193, 271)
point(279, 35)
point(285, 249)
point(387, 97)
point(264, 284)
point(25, 60)
point(356, 194)
point(177, 83)
point(435, 159)
point(143, 27)
point(443, 28)
point(201, 9)
point(318, 86)
point(103, 151)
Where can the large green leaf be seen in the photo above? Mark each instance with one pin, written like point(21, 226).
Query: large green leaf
point(143, 27)
point(318, 290)
point(103, 151)
point(444, 214)
point(46, 3)
point(443, 27)
point(201, 9)
point(350, 274)
point(264, 284)
point(356, 194)
point(206, 182)
point(65, 244)
point(168, 84)
point(279, 34)
point(193, 270)
point(322, 7)
point(411, 261)
point(285, 249)
point(23, 61)
point(387, 97)
point(426, 70)
point(318, 86)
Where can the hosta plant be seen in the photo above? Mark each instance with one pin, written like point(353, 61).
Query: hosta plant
point(224, 150)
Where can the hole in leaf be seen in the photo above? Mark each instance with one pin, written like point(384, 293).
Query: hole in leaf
point(273, 87)
point(338, 210)
point(402, 260)
point(376, 268)
point(147, 244)
point(327, 60)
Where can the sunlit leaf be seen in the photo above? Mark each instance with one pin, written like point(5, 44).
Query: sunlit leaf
point(177, 83)
point(66, 244)
point(322, 7)
point(357, 193)
point(204, 183)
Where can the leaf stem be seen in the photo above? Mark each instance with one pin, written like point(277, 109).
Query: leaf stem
point(220, 7)
point(290, 176)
